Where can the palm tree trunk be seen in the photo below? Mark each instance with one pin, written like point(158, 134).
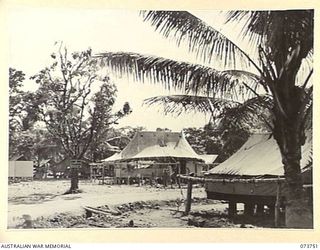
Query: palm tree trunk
point(298, 212)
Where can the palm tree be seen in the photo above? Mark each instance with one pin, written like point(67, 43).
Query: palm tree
point(278, 79)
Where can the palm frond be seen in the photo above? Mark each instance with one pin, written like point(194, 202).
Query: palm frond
point(191, 78)
point(178, 104)
point(249, 113)
point(208, 43)
point(267, 28)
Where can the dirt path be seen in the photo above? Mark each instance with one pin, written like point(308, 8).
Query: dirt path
point(44, 198)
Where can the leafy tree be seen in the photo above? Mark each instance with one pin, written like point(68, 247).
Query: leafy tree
point(76, 117)
point(16, 78)
point(277, 76)
point(203, 140)
point(22, 116)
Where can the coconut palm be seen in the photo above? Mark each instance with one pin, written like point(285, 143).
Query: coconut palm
point(278, 77)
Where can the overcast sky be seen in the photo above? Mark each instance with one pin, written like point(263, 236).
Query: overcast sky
point(33, 32)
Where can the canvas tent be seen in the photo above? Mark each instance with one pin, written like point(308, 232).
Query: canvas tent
point(258, 158)
point(158, 144)
point(164, 148)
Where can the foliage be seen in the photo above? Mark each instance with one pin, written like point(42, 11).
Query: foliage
point(79, 118)
point(16, 78)
point(22, 117)
point(203, 140)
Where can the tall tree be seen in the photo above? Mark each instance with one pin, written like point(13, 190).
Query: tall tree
point(69, 109)
point(285, 43)
point(16, 78)
point(22, 116)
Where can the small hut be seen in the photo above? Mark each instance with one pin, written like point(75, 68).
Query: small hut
point(20, 168)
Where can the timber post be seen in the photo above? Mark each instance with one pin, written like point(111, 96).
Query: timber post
point(90, 173)
point(189, 197)
point(248, 209)
point(277, 207)
point(102, 174)
point(232, 210)
point(260, 209)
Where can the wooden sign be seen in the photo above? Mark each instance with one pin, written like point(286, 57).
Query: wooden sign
point(76, 163)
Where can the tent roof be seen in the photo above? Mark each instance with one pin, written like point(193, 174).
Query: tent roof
point(208, 159)
point(158, 144)
point(260, 155)
point(114, 157)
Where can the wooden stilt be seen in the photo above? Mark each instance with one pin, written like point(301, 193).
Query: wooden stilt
point(189, 197)
point(102, 175)
point(277, 208)
point(248, 209)
point(260, 209)
point(232, 211)
point(91, 173)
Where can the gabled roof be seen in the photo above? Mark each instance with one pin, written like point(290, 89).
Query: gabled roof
point(159, 144)
point(260, 155)
point(17, 158)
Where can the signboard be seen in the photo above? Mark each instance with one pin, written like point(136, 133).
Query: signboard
point(76, 163)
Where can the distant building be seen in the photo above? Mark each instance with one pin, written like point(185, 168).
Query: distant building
point(19, 167)
point(155, 154)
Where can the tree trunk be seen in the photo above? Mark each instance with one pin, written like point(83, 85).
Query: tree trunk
point(74, 180)
point(298, 211)
point(74, 176)
point(290, 139)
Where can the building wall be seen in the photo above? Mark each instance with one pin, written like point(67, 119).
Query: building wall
point(193, 167)
point(20, 169)
point(154, 171)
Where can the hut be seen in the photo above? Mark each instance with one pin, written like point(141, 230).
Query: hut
point(254, 174)
point(20, 168)
point(155, 154)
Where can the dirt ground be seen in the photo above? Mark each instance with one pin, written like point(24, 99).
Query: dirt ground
point(43, 204)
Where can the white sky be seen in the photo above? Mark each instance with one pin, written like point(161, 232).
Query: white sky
point(33, 32)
